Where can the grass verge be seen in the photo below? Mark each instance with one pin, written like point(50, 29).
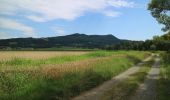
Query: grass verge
point(163, 85)
point(126, 88)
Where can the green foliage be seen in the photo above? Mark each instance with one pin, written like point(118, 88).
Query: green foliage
point(99, 54)
point(160, 10)
point(163, 88)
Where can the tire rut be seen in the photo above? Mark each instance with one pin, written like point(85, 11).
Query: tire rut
point(147, 90)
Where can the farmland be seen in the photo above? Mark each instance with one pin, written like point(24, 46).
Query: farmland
point(6, 55)
point(84, 50)
point(59, 75)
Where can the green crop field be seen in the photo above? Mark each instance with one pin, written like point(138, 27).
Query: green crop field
point(60, 77)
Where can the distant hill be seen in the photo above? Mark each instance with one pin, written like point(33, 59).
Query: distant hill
point(74, 40)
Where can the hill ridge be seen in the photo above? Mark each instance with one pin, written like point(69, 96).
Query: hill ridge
point(73, 40)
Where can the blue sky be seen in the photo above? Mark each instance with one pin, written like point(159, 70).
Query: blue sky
point(125, 19)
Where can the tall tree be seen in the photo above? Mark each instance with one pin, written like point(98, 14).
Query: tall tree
point(160, 9)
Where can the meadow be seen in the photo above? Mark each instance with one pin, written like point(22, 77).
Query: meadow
point(59, 75)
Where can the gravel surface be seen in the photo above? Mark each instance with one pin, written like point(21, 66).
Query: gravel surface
point(147, 90)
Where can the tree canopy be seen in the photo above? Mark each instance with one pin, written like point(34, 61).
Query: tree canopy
point(160, 9)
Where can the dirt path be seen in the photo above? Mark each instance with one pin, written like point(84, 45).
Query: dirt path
point(98, 92)
point(147, 90)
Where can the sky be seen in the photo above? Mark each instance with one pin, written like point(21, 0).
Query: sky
point(125, 19)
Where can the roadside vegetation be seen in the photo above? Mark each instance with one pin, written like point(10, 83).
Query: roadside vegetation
point(163, 88)
point(126, 89)
point(62, 77)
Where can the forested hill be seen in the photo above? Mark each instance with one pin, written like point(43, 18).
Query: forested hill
point(73, 40)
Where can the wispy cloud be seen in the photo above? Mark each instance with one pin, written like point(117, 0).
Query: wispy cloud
point(4, 35)
point(45, 10)
point(59, 30)
point(111, 13)
point(17, 26)
point(121, 3)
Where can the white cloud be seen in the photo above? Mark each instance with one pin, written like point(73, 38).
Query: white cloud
point(45, 10)
point(36, 18)
point(112, 13)
point(59, 31)
point(17, 26)
point(121, 3)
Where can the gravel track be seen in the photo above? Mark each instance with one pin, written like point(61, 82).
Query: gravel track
point(147, 90)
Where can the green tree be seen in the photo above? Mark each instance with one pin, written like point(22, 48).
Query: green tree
point(160, 9)
point(153, 47)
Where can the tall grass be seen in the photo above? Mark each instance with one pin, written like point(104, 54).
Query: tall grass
point(163, 88)
point(125, 89)
point(23, 62)
point(62, 78)
point(54, 60)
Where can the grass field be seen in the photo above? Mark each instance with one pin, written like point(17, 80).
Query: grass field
point(53, 77)
point(7, 55)
point(164, 81)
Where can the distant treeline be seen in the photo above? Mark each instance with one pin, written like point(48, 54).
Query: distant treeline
point(85, 42)
point(161, 43)
point(141, 45)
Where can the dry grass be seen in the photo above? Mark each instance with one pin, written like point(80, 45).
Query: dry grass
point(60, 69)
point(59, 77)
point(57, 70)
point(8, 55)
